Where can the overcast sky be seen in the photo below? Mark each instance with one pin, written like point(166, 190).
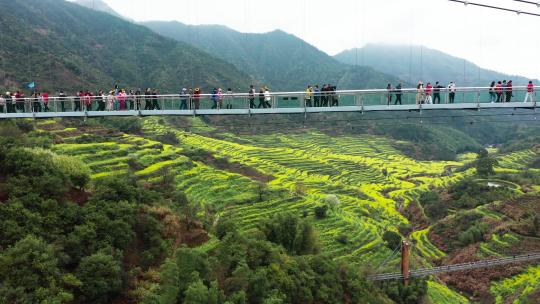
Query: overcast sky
point(496, 40)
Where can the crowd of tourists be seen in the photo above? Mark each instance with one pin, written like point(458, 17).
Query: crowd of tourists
point(325, 96)
point(315, 96)
point(500, 91)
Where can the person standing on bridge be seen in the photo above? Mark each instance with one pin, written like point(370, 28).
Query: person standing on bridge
point(220, 98)
point(251, 97)
point(309, 95)
point(317, 96)
point(197, 98)
point(492, 94)
point(9, 103)
point(530, 92)
point(429, 90)
point(420, 93)
point(2, 104)
point(214, 98)
point(509, 91)
point(229, 98)
point(334, 95)
point(155, 100)
point(138, 99)
point(262, 104)
point(399, 94)
point(110, 101)
point(100, 98)
point(122, 100)
point(267, 97)
point(437, 93)
point(451, 92)
point(62, 98)
point(77, 101)
point(498, 90)
point(46, 101)
point(131, 98)
point(503, 98)
point(183, 99)
point(388, 94)
point(148, 99)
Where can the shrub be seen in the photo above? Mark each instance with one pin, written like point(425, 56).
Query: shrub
point(474, 234)
point(320, 211)
point(342, 239)
point(392, 239)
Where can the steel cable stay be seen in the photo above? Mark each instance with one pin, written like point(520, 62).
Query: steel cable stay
point(519, 12)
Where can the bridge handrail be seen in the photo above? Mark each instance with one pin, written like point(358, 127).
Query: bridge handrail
point(457, 267)
point(298, 93)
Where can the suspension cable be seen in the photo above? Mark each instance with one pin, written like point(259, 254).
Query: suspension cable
point(496, 7)
point(528, 2)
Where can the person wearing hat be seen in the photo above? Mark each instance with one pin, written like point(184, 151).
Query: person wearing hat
point(420, 92)
point(197, 98)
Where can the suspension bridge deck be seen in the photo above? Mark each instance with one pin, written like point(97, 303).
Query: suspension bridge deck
point(277, 110)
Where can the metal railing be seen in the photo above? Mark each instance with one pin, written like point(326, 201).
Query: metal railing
point(280, 102)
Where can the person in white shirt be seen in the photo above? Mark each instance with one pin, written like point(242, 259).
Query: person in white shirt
point(451, 92)
point(2, 104)
point(267, 97)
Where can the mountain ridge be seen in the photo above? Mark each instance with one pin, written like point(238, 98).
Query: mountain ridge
point(276, 58)
point(415, 61)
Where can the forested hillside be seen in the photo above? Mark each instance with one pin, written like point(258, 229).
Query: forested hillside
point(61, 45)
point(414, 63)
point(277, 59)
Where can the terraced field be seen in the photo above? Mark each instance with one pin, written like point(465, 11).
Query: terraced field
point(369, 179)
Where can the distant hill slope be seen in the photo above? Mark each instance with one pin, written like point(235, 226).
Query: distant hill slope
point(59, 44)
point(277, 59)
point(100, 6)
point(421, 63)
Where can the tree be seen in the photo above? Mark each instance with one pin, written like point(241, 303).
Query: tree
point(392, 239)
point(294, 234)
point(101, 277)
point(484, 163)
point(197, 292)
point(29, 273)
point(169, 288)
point(189, 261)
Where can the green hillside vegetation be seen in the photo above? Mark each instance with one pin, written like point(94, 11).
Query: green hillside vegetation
point(298, 201)
point(61, 45)
point(414, 63)
point(277, 59)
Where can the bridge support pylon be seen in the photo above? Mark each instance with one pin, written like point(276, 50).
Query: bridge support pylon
point(405, 255)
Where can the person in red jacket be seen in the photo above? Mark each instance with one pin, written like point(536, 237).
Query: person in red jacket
point(45, 96)
point(429, 90)
point(530, 92)
point(498, 90)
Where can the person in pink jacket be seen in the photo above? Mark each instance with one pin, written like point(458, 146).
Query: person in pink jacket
point(429, 90)
point(529, 96)
point(122, 100)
